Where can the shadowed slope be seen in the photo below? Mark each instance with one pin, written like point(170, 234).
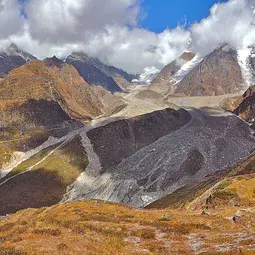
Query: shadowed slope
point(91, 72)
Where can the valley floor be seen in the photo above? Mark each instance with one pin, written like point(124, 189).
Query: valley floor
point(96, 227)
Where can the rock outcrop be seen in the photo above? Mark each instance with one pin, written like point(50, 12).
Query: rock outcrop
point(243, 106)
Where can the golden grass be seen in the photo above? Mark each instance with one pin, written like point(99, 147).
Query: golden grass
point(68, 161)
point(96, 227)
point(12, 139)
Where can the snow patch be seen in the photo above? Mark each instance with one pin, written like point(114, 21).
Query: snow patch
point(146, 199)
point(148, 74)
point(243, 60)
point(186, 68)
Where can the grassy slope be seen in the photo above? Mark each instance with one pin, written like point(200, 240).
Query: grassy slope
point(220, 221)
point(95, 227)
point(12, 139)
point(45, 183)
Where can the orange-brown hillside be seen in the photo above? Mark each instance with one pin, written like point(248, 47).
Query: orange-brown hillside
point(49, 81)
point(36, 99)
point(94, 227)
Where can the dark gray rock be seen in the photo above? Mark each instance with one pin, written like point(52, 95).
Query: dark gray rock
point(164, 161)
point(96, 73)
point(121, 139)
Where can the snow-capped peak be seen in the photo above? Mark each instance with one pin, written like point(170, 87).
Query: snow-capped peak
point(14, 50)
point(147, 75)
point(186, 68)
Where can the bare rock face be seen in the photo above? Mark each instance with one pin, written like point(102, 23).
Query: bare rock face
point(218, 74)
point(96, 73)
point(244, 106)
point(162, 81)
point(12, 58)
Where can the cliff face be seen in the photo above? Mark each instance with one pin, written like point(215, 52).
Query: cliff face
point(218, 74)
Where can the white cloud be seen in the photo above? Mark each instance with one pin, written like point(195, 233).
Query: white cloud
point(10, 18)
point(65, 21)
point(135, 49)
point(229, 22)
point(109, 30)
point(105, 29)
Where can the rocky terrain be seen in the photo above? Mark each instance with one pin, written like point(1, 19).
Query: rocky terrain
point(68, 144)
point(243, 106)
point(233, 186)
point(162, 166)
point(96, 73)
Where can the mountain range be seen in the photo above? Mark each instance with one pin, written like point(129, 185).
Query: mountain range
point(77, 132)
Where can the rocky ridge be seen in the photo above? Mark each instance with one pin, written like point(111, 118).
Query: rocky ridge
point(96, 73)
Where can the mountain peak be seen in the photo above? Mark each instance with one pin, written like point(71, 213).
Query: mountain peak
point(13, 46)
point(226, 48)
point(54, 61)
point(13, 57)
point(79, 55)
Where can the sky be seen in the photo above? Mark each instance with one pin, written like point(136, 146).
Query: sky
point(171, 13)
point(129, 34)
